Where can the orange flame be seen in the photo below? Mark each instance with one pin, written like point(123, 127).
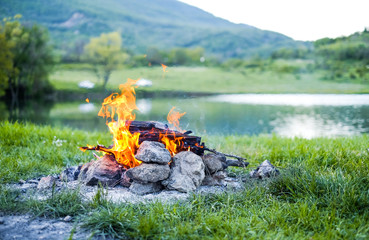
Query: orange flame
point(164, 68)
point(173, 118)
point(122, 105)
point(87, 100)
point(173, 145)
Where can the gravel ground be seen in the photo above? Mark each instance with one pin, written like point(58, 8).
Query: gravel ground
point(27, 227)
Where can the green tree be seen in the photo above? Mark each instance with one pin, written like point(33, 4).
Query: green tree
point(105, 55)
point(5, 62)
point(30, 58)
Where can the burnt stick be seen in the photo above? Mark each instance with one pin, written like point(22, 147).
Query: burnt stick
point(240, 159)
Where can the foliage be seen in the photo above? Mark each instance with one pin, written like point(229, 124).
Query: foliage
point(105, 54)
point(173, 57)
point(253, 79)
point(345, 58)
point(5, 62)
point(292, 53)
point(321, 193)
point(30, 58)
point(164, 24)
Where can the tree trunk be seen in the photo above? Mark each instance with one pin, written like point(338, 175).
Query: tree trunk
point(106, 79)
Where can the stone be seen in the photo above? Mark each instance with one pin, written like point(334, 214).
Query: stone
point(149, 172)
point(209, 180)
point(264, 170)
point(145, 188)
point(71, 173)
point(125, 181)
point(220, 175)
point(46, 182)
point(232, 183)
point(2, 221)
point(187, 173)
point(106, 171)
point(67, 219)
point(21, 181)
point(153, 152)
point(84, 169)
point(215, 179)
point(213, 163)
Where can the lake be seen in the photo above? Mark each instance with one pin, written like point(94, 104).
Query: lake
point(301, 115)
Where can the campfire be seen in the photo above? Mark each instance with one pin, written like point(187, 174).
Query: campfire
point(147, 156)
point(129, 134)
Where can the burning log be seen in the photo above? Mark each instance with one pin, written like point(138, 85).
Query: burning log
point(156, 131)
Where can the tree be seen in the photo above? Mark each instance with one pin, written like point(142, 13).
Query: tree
point(30, 58)
point(105, 55)
point(5, 62)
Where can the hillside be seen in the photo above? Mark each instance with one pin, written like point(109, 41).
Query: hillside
point(161, 23)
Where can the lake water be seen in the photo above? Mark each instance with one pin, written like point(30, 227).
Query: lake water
point(302, 115)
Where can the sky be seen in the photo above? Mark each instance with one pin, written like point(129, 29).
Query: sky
point(306, 20)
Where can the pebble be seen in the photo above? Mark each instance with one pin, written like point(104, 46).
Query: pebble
point(67, 218)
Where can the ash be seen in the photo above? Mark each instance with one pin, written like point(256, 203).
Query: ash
point(119, 194)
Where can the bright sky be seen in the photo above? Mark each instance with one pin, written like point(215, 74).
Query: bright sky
point(299, 19)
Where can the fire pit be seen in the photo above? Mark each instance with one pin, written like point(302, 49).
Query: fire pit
point(150, 156)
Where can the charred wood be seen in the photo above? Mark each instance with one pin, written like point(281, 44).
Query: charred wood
point(236, 163)
point(240, 162)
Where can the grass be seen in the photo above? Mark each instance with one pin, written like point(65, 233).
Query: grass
point(207, 80)
point(28, 151)
point(322, 192)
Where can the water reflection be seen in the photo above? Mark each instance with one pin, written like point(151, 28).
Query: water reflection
point(294, 99)
point(288, 115)
point(144, 106)
point(310, 126)
point(86, 107)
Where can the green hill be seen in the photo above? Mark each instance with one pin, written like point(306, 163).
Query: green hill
point(145, 23)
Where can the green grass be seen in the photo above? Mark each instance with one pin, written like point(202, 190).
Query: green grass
point(208, 80)
point(28, 151)
point(321, 193)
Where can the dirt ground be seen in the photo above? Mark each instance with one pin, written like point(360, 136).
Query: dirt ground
point(28, 227)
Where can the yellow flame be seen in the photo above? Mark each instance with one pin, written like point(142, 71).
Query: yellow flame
point(173, 118)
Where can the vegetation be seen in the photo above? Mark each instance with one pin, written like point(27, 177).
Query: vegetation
point(277, 79)
point(345, 58)
point(164, 24)
point(322, 192)
point(25, 59)
point(28, 151)
point(173, 57)
point(105, 55)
